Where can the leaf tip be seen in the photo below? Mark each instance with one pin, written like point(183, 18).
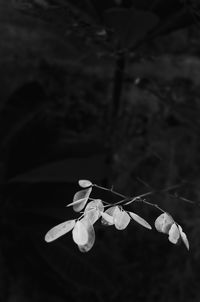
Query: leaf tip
point(47, 238)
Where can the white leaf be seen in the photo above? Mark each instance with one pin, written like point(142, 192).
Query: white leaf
point(93, 210)
point(80, 233)
point(184, 237)
point(59, 230)
point(91, 236)
point(121, 219)
point(80, 199)
point(110, 212)
point(174, 234)
point(163, 223)
point(107, 219)
point(140, 220)
point(77, 202)
point(84, 183)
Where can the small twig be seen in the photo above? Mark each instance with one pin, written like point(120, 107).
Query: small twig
point(153, 205)
point(110, 190)
point(176, 196)
point(128, 200)
point(144, 182)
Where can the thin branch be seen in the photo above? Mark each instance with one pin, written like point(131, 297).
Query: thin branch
point(110, 190)
point(152, 205)
point(128, 200)
point(176, 196)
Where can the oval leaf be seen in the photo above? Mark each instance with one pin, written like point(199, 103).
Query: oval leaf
point(110, 211)
point(121, 219)
point(184, 237)
point(91, 236)
point(80, 233)
point(140, 220)
point(84, 183)
point(93, 210)
point(107, 219)
point(59, 230)
point(174, 234)
point(163, 223)
point(80, 199)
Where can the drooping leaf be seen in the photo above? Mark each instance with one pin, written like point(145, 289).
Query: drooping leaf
point(80, 199)
point(84, 183)
point(174, 234)
point(91, 236)
point(59, 230)
point(140, 220)
point(121, 219)
point(80, 233)
point(77, 202)
point(107, 219)
point(184, 237)
point(163, 223)
point(93, 210)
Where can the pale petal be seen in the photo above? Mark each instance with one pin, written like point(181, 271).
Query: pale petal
point(59, 230)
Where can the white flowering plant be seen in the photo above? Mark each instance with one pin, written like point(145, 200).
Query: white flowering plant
point(114, 214)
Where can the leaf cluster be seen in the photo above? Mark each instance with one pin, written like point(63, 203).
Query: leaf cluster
point(82, 228)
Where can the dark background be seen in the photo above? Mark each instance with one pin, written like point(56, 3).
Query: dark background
point(107, 91)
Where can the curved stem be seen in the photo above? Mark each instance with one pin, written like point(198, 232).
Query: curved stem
point(110, 190)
